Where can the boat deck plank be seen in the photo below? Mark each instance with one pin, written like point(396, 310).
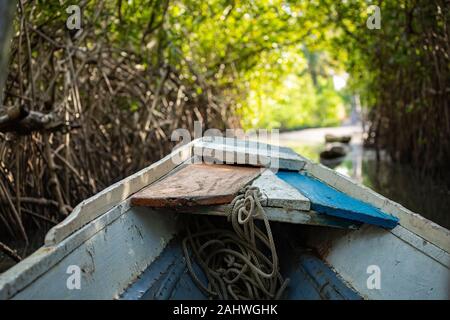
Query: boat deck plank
point(197, 184)
point(233, 151)
point(280, 194)
point(279, 214)
point(327, 200)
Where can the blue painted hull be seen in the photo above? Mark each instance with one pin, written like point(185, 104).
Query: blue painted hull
point(168, 278)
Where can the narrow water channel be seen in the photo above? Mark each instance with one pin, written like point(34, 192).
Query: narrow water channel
point(399, 183)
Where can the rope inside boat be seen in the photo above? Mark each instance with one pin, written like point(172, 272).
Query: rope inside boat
point(239, 263)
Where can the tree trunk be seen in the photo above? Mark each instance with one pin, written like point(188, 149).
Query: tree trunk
point(7, 10)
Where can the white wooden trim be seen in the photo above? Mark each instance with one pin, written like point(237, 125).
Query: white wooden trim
point(261, 147)
point(280, 194)
point(416, 236)
point(409, 266)
point(111, 252)
point(278, 214)
point(422, 245)
point(26, 271)
point(98, 204)
point(232, 151)
point(414, 222)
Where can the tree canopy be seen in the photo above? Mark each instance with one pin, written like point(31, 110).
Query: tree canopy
point(114, 91)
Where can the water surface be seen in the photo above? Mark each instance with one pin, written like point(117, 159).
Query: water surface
point(397, 182)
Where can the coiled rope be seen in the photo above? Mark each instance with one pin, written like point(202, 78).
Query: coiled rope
point(241, 262)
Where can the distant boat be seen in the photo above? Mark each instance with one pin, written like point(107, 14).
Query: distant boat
point(332, 138)
point(333, 155)
point(333, 152)
point(336, 239)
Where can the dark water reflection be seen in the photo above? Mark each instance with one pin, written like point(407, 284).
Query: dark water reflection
point(399, 183)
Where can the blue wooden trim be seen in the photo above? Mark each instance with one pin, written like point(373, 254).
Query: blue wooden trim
point(329, 284)
point(166, 278)
point(312, 279)
point(327, 200)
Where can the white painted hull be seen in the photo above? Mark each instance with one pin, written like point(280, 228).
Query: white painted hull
point(114, 243)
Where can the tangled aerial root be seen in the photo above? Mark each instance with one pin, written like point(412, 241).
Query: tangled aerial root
point(239, 263)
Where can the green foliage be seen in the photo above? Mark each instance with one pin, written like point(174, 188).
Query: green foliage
point(252, 52)
point(271, 63)
point(142, 68)
point(402, 72)
point(291, 100)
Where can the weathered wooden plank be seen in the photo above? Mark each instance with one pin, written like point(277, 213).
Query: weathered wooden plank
point(327, 200)
point(278, 193)
point(197, 184)
point(233, 151)
point(280, 215)
point(283, 152)
point(103, 201)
